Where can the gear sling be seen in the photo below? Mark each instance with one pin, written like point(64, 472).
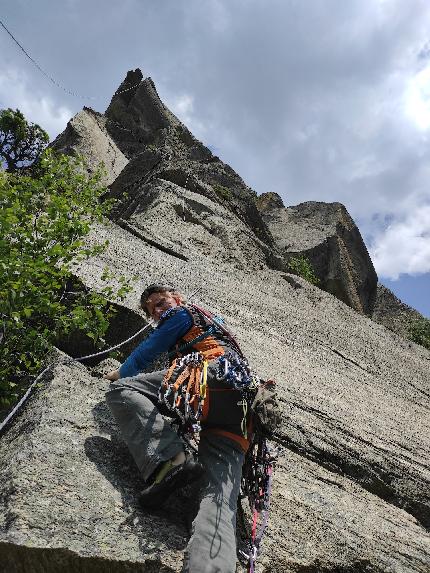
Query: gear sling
point(218, 407)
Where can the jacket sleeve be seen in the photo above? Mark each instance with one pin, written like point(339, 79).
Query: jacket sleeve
point(171, 329)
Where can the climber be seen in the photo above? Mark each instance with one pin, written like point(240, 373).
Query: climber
point(192, 390)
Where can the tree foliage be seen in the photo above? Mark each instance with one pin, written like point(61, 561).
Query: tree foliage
point(44, 217)
point(20, 142)
point(302, 267)
point(419, 332)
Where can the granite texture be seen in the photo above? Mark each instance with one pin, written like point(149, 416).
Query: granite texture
point(394, 314)
point(326, 234)
point(86, 134)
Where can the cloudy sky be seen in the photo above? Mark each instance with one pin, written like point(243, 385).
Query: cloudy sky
point(324, 100)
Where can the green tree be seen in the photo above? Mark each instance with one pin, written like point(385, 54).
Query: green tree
point(302, 267)
point(419, 332)
point(20, 142)
point(44, 218)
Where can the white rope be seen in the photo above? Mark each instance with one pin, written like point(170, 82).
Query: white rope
point(24, 398)
point(113, 347)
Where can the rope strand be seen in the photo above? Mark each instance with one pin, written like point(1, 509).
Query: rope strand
point(25, 397)
point(53, 80)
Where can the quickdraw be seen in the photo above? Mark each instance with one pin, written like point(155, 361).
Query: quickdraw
point(186, 395)
point(235, 371)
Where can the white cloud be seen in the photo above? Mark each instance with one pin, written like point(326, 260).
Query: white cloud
point(404, 246)
point(332, 103)
point(183, 107)
point(417, 99)
point(16, 92)
point(220, 19)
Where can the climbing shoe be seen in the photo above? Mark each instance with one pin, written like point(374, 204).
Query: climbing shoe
point(175, 478)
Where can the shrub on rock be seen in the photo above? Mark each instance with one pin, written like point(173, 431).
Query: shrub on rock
point(45, 214)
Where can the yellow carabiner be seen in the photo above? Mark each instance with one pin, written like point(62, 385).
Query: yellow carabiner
point(203, 384)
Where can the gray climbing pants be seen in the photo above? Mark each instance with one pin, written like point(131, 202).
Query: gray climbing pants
point(151, 440)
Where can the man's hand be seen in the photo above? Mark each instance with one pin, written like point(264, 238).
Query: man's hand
point(113, 375)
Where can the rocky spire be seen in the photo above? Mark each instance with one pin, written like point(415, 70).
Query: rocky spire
point(268, 201)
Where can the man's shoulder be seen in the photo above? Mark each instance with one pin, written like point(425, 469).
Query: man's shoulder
point(179, 311)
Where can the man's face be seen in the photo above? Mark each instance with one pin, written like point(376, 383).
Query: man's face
point(159, 302)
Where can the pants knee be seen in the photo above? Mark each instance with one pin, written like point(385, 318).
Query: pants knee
point(119, 394)
point(114, 388)
point(123, 397)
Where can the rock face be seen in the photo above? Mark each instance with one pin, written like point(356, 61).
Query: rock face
point(268, 201)
point(329, 238)
point(86, 134)
point(160, 146)
point(393, 313)
point(62, 508)
point(351, 490)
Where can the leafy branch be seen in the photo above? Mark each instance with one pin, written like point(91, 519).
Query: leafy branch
point(45, 215)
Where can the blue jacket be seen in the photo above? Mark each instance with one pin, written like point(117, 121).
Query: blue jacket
point(164, 337)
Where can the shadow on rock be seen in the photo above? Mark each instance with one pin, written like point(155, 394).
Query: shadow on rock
point(168, 526)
